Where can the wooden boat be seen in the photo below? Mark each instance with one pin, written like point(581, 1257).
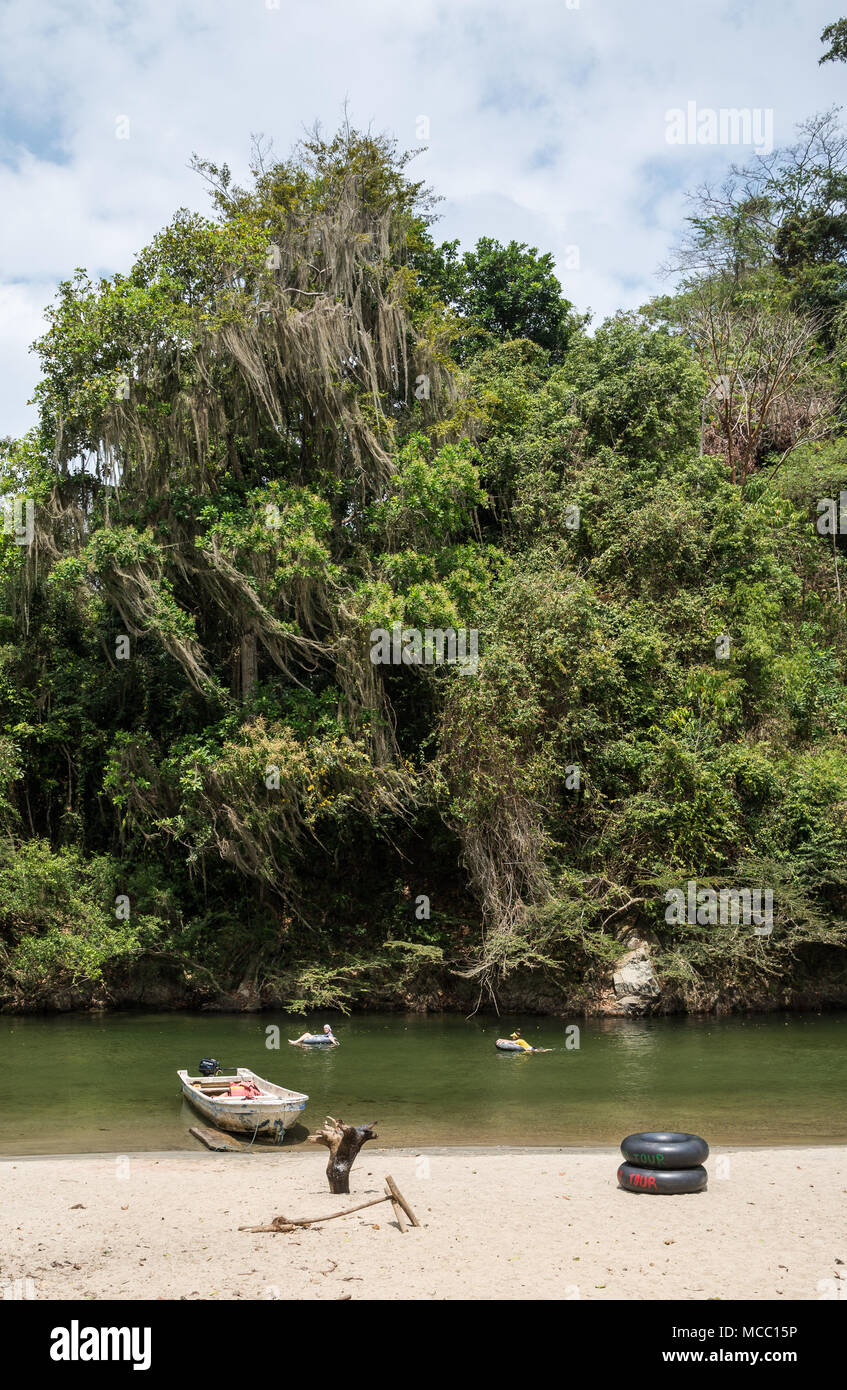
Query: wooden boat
point(266, 1115)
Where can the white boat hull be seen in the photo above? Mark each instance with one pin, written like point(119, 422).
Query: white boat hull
point(267, 1116)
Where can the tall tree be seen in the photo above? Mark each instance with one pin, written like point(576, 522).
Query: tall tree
point(502, 293)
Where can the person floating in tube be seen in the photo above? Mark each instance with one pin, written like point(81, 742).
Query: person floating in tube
point(327, 1038)
point(518, 1044)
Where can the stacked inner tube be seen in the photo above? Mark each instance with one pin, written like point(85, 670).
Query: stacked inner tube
point(663, 1163)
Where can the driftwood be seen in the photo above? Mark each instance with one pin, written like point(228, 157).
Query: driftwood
point(399, 1203)
point(282, 1224)
point(218, 1141)
point(344, 1142)
point(398, 1210)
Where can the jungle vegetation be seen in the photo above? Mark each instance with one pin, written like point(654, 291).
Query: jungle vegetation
point(301, 419)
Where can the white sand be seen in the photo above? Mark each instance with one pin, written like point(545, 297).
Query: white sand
point(516, 1225)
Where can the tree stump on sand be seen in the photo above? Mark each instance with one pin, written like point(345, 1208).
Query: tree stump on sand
point(344, 1142)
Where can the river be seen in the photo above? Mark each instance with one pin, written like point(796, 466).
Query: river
point(107, 1083)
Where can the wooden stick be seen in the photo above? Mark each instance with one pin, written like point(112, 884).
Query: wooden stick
point(398, 1210)
point(289, 1222)
point(392, 1195)
point(398, 1197)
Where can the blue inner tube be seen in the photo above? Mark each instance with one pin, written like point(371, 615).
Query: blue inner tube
point(506, 1046)
point(316, 1039)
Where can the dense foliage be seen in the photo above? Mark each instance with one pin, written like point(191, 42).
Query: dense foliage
point(302, 421)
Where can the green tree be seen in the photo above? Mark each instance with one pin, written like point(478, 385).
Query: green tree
point(297, 421)
point(502, 293)
point(836, 36)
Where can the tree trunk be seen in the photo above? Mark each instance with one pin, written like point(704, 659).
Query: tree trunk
point(249, 664)
point(344, 1142)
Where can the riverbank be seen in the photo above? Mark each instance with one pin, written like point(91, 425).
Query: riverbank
point(515, 1224)
point(630, 992)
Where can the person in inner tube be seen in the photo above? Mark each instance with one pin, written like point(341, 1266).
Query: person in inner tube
point(524, 1046)
point(326, 1037)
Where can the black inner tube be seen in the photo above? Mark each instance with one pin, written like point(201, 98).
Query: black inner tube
point(665, 1149)
point(667, 1183)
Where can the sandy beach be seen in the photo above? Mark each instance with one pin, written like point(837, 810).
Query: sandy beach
point(515, 1224)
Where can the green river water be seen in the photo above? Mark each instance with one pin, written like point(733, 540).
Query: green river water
point(108, 1084)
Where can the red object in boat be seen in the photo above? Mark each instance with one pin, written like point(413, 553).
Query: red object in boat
point(244, 1090)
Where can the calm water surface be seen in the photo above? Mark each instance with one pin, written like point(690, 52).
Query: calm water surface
point(80, 1083)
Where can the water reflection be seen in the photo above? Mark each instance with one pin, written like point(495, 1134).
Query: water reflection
point(108, 1082)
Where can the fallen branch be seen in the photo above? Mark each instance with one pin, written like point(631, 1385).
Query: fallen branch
point(398, 1210)
point(283, 1224)
point(399, 1200)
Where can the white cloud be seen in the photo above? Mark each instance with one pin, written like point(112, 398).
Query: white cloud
point(21, 321)
point(547, 122)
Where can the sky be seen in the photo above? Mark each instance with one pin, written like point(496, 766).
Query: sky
point(547, 121)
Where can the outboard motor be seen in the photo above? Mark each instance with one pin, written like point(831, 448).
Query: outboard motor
point(209, 1067)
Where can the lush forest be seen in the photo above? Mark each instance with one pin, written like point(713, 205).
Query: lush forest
point(303, 420)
